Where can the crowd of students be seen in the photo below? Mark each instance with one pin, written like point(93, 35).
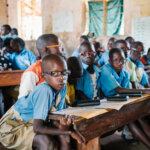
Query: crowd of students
point(54, 82)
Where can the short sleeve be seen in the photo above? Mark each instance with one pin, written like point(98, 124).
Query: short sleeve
point(42, 99)
point(144, 80)
point(126, 81)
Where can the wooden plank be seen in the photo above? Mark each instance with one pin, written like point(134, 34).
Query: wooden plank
point(101, 124)
point(10, 78)
point(93, 144)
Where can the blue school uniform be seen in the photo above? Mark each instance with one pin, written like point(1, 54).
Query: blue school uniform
point(84, 84)
point(104, 59)
point(76, 53)
point(109, 80)
point(139, 64)
point(5, 37)
point(23, 60)
point(37, 104)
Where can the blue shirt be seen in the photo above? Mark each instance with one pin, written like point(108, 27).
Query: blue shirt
point(84, 84)
point(109, 80)
point(36, 105)
point(139, 64)
point(104, 59)
point(76, 53)
point(22, 60)
point(5, 37)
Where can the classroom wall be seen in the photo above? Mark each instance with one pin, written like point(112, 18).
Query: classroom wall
point(134, 9)
point(3, 12)
point(51, 8)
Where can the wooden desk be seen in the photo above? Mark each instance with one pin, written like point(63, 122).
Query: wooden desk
point(10, 78)
point(97, 126)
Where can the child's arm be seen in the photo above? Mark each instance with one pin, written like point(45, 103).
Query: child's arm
point(40, 128)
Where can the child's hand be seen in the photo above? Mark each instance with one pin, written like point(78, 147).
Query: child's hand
point(75, 136)
point(64, 123)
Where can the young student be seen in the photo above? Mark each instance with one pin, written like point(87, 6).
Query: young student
point(21, 58)
point(83, 38)
point(129, 41)
point(5, 31)
point(75, 66)
point(14, 33)
point(87, 87)
point(46, 44)
point(114, 79)
point(105, 56)
point(136, 52)
point(128, 65)
point(146, 58)
point(23, 126)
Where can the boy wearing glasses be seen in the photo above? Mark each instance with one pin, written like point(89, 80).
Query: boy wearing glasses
point(114, 79)
point(46, 44)
point(23, 126)
point(87, 87)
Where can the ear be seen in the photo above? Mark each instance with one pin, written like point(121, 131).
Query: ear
point(110, 61)
point(43, 75)
point(44, 50)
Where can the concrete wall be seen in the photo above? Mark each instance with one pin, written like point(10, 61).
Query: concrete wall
point(69, 39)
point(3, 12)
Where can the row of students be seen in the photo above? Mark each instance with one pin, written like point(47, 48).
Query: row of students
point(55, 75)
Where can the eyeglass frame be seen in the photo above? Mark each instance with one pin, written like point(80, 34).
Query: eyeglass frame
point(50, 73)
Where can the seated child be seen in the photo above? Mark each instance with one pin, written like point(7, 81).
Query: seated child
point(129, 41)
point(75, 66)
point(136, 52)
point(87, 87)
point(146, 58)
point(46, 44)
point(128, 65)
point(5, 31)
point(14, 33)
point(21, 58)
point(23, 126)
point(105, 56)
point(114, 79)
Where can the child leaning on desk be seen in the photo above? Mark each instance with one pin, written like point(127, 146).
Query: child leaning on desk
point(23, 125)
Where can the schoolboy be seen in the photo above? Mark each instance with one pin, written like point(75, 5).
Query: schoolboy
point(75, 66)
point(105, 56)
point(129, 66)
point(146, 58)
point(136, 52)
point(26, 118)
point(129, 41)
point(87, 87)
point(14, 33)
point(21, 58)
point(5, 30)
point(114, 79)
point(46, 44)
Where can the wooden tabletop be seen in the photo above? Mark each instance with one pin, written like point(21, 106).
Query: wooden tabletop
point(111, 120)
point(10, 78)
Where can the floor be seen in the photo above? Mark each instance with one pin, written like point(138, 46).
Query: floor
point(115, 142)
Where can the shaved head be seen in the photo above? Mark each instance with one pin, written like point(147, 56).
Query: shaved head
point(50, 60)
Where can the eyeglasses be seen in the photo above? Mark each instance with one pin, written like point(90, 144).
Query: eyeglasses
point(53, 46)
point(58, 73)
point(118, 61)
point(85, 53)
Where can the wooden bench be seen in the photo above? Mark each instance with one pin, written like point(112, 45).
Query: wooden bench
point(92, 129)
point(10, 78)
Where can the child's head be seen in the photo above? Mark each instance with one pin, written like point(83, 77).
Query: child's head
point(110, 43)
point(122, 45)
point(14, 31)
point(48, 44)
point(83, 38)
point(116, 59)
point(129, 39)
point(5, 29)
point(55, 71)
point(148, 54)
point(137, 50)
point(17, 44)
point(86, 54)
point(75, 66)
point(7, 45)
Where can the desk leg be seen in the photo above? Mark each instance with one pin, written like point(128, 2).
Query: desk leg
point(93, 144)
